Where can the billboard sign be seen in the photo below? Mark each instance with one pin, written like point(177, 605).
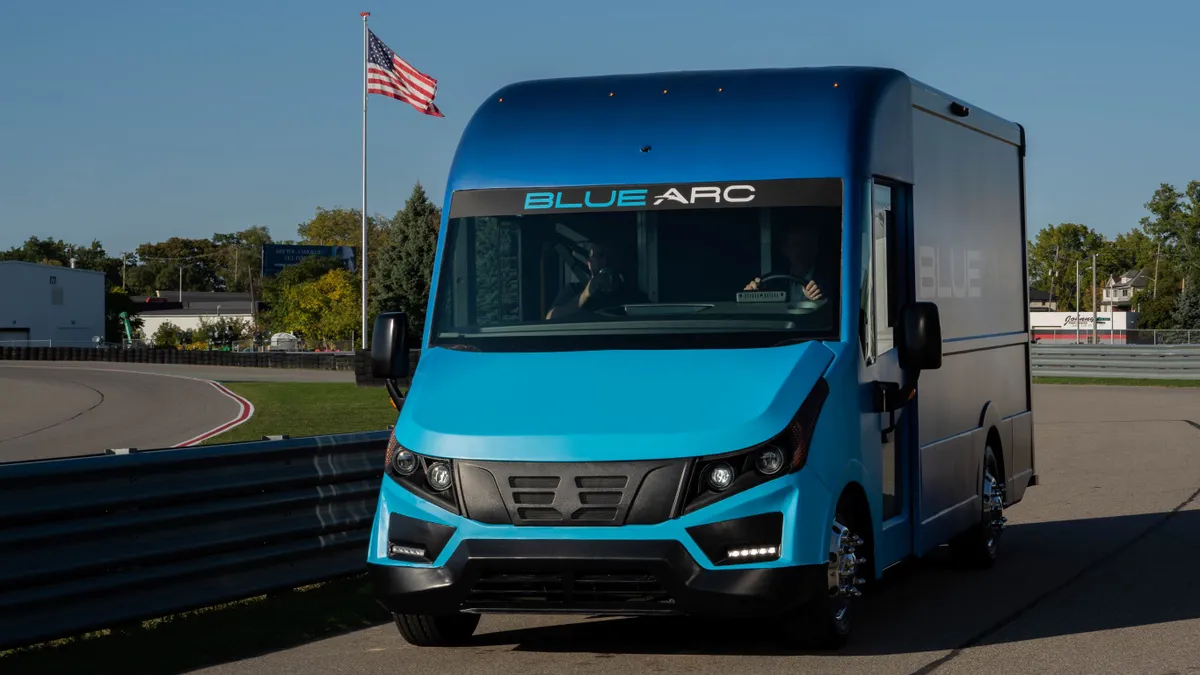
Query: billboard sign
point(276, 257)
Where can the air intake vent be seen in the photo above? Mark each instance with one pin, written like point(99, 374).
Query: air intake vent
point(533, 482)
point(601, 482)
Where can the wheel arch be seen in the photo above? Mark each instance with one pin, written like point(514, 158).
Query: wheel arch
point(854, 496)
point(990, 424)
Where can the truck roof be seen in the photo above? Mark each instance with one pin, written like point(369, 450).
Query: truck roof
point(690, 125)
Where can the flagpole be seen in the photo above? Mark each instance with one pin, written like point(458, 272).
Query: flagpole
point(363, 267)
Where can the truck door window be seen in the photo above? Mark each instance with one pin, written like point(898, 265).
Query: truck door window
point(883, 238)
point(879, 288)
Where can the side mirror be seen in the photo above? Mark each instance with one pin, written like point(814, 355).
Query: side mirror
point(920, 337)
point(389, 346)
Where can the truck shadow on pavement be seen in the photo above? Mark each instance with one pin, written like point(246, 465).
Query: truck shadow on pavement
point(1052, 579)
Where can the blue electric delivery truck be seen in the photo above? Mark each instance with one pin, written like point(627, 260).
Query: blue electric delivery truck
point(708, 343)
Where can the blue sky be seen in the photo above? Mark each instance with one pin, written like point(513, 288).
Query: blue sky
point(133, 121)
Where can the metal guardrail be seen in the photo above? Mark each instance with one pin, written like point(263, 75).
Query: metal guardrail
point(97, 541)
point(1177, 362)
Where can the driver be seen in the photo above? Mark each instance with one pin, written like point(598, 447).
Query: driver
point(607, 287)
point(800, 244)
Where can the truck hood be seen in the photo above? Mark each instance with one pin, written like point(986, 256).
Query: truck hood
point(604, 405)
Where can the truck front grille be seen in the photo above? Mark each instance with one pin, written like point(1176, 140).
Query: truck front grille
point(571, 493)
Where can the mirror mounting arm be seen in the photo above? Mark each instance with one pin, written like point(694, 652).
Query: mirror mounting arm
point(394, 393)
point(891, 396)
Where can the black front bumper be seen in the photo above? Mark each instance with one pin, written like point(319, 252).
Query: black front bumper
point(621, 577)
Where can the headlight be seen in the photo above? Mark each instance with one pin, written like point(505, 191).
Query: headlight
point(769, 460)
point(428, 477)
point(439, 476)
point(720, 476)
point(404, 463)
point(716, 477)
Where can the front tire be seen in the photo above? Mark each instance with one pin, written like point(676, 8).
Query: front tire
point(424, 630)
point(823, 622)
point(978, 547)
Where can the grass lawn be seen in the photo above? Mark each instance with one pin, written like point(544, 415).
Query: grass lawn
point(1117, 381)
point(309, 409)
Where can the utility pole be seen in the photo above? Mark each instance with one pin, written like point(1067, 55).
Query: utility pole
point(1157, 252)
point(1095, 310)
point(1077, 300)
point(123, 284)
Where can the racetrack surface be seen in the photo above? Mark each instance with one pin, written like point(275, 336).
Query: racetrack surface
point(56, 411)
point(215, 373)
point(1096, 575)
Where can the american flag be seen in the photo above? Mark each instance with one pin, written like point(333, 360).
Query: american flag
point(389, 75)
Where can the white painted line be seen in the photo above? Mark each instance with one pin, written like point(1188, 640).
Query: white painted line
point(247, 411)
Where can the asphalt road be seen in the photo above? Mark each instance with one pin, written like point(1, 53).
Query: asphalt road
point(1097, 574)
point(49, 411)
point(215, 373)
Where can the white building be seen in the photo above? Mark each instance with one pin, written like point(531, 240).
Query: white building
point(1063, 327)
point(187, 310)
point(49, 305)
point(1119, 289)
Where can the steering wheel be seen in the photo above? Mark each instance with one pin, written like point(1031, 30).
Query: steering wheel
point(772, 277)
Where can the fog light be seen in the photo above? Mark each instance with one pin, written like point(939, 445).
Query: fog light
point(769, 461)
point(409, 551)
point(753, 552)
point(720, 476)
point(439, 476)
point(404, 463)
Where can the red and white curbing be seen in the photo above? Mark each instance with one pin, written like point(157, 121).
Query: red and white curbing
point(246, 413)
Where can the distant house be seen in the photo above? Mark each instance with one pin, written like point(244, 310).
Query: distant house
point(187, 309)
point(1119, 290)
point(1039, 301)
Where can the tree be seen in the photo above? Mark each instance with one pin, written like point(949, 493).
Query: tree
point(1154, 312)
point(402, 277)
point(160, 264)
point(1187, 310)
point(167, 336)
point(240, 265)
point(51, 251)
point(1174, 220)
point(1052, 257)
point(116, 300)
point(321, 311)
point(343, 227)
point(274, 289)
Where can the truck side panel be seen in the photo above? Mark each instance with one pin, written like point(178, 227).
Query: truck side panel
point(969, 245)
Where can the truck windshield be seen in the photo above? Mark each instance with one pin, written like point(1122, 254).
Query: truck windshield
point(684, 275)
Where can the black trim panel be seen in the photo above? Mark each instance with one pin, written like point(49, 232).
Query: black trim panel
point(412, 533)
point(616, 577)
point(715, 539)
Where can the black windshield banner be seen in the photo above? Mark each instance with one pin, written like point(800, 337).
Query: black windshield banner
point(659, 196)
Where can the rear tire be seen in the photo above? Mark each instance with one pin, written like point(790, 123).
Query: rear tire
point(978, 547)
point(424, 630)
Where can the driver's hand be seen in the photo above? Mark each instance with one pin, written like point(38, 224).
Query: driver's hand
point(753, 285)
point(812, 291)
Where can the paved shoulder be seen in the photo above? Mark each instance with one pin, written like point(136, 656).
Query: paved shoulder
point(52, 411)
